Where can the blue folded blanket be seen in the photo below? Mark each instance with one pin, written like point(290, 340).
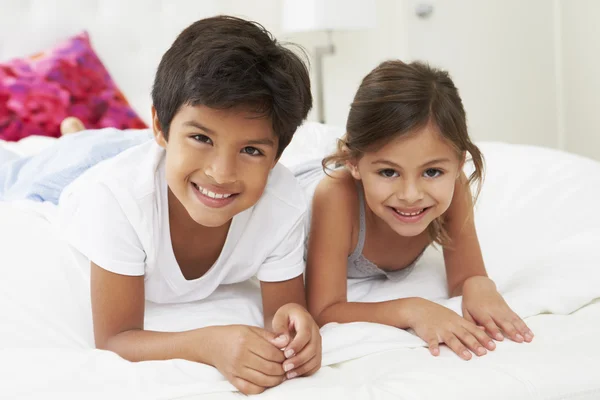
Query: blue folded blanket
point(42, 177)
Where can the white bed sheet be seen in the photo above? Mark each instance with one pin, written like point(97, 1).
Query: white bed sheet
point(539, 245)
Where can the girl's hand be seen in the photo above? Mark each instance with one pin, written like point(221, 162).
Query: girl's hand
point(437, 324)
point(303, 352)
point(484, 306)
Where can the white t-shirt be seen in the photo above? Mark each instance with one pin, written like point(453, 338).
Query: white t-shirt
point(116, 214)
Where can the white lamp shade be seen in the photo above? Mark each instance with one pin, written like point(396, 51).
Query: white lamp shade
point(325, 15)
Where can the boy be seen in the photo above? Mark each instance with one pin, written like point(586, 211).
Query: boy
point(205, 203)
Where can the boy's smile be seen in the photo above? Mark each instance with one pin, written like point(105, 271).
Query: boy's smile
point(217, 161)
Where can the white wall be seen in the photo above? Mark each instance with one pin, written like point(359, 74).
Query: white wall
point(527, 70)
point(581, 79)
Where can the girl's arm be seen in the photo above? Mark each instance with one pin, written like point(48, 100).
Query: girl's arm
point(463, 257)
point(330, 241)
point(481, 303)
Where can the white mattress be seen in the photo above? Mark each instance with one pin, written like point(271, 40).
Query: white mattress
point(539, 235)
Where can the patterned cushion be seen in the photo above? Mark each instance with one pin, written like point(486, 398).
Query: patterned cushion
point(38, 92)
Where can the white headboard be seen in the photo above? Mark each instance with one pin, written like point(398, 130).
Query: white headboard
point(129, 36)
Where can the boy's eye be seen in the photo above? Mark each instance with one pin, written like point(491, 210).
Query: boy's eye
point(253, 151)
point(388, 173)
point(432, 173)
point(202, 139)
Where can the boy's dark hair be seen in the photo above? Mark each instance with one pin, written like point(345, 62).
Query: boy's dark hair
point(225, 62)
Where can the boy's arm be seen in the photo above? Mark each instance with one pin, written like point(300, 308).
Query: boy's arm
point(284, 309)
point(118, 317)
point(247, 356)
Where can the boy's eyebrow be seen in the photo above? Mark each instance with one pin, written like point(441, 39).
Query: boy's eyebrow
point(197, 125)
point(393, 164)
point(265, 141)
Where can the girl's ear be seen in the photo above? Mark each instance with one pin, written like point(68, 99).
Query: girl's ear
point(352, 166)
point(463, 160)
point(158, 133)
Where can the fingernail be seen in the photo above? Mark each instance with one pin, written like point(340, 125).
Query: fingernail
point(288, 353)
point(519, 337)
point(531, 333)
point(288, 367)
point(491, 345)
point(281, 337)
point(499, 336)
point(291, 375)
point(467, 354)
point(528, 337)
point(481, 351)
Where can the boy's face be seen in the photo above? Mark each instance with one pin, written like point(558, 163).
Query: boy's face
point(217, 161)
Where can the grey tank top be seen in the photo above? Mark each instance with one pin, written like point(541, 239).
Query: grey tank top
point(358, 265)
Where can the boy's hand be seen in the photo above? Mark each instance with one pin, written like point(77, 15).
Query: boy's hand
point(437, 324)
point(483, 305)
point(303, 353)
point(249, 357)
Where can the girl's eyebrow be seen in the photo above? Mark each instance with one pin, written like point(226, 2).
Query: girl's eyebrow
point(394, 165)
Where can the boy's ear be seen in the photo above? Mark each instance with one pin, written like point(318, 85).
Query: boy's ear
point(159, 136)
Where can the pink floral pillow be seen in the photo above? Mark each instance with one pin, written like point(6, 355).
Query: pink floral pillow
point(38, 92)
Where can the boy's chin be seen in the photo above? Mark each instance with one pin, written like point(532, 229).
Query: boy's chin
point(210, 220)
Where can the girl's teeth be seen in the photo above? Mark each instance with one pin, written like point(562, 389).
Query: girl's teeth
point(410, 214)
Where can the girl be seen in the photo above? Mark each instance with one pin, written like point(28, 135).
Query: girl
point(401, 189)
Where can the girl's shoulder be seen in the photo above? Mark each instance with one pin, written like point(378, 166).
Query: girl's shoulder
point(338, 189)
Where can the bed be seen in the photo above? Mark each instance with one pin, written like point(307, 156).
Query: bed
point(536, 217)
point(539, 237)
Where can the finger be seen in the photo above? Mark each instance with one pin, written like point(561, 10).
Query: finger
point(457, 346)
point(510, 330)
point(492, 329)
point(258, 378)
point(266, 367)
point(471, 341)
point(281, 325)
point(305, 368)
point(303, 336)
point(467, 315)
point(434, 347)
point(522, 328)
point(262, 346)
point(246, 387)
point(482, 337)
point(306, 354)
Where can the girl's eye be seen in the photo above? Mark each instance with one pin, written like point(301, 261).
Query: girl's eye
point(253, 151)
point(202, 139)
point(388, 173)
point(432, 173)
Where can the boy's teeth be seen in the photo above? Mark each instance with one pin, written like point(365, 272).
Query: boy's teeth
point(212, 195)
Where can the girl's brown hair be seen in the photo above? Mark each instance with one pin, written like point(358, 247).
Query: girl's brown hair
point(396, 99)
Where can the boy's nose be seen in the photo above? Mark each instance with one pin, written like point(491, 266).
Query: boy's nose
point(222, 170)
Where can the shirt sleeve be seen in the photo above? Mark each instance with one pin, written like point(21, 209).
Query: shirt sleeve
point(93, 222)
point(287, 260)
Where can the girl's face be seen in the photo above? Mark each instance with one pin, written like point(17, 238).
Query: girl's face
point(410, 181)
